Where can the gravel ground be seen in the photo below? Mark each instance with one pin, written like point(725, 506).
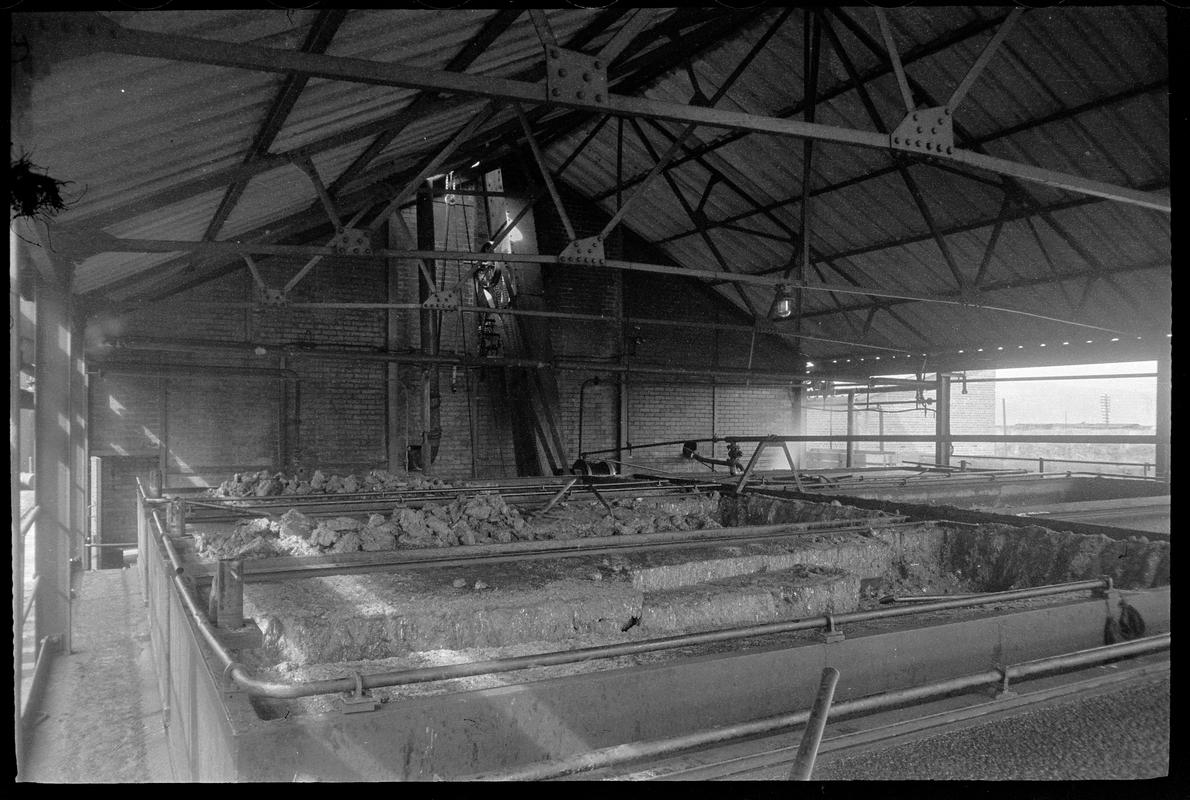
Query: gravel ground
point(1119, 735)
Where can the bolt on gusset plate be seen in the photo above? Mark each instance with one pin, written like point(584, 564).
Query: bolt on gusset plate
point(352, 242)
point(442, 301)
point(583, 251)
point(927, 131)
point(272, 297)
point(573, 77)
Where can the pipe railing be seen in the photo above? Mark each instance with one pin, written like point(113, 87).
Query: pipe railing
point(635, 751)
point(1043, 460)
point(239, 674)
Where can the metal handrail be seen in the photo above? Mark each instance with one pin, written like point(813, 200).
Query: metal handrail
point(1145, 464)
point(807, 751)
point(252, 685)
point(635, 751)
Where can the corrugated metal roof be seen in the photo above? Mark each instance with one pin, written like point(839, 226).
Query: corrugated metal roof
point(126, 128)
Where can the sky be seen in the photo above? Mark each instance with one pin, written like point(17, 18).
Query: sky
point(1132, 400)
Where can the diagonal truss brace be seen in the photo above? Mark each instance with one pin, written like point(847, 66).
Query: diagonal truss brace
point(103, 34)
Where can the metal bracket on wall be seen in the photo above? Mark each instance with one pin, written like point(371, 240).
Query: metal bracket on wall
point(352, 242)
point(927, 131)
point(571, 76)
point(447, 300)
point(583, 251)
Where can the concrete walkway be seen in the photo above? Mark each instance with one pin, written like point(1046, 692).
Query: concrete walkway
point(100, 716)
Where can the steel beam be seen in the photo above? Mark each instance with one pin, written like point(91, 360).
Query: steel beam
point(112, 244)
point(420, 105)
point(982, 61)
point(942, 446)
point(1005, 207)
point(112, 37)
point(712, 27)
point(545, 171)
point(693, 218)
point(317, 40)
point(923, 51)
point(430, 166)
point(53, 462)
point(1164, 455)
point(672, 153)
point(895, 59)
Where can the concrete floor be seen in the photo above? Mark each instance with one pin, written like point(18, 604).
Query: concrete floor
point(99, 720)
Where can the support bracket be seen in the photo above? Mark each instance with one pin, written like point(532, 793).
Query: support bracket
point(447, 300)
point(272, 298)
point(927, 131)
point(583, 251)
point(574, 77)
point(832, 633)
point(352, 242)
point(359, 701)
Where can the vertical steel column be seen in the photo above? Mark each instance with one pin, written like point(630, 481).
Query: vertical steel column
point(850, 429)
point(79, 461)
point(395, 446)
point(1164, 413)
point(942, 421)
point(53, 461)
point(431, 398)
point(14, 481)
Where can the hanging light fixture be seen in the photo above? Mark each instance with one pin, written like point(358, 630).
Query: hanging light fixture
point(782, 307)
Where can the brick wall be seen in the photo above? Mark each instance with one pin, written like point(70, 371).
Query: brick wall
point(228, 424)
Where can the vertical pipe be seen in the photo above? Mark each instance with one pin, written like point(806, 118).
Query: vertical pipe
point(850, 430)
point(880, 419)
point(53, 461)
point(95, 517)
point(942, 421)
point(1003, 424)
point(807, 751)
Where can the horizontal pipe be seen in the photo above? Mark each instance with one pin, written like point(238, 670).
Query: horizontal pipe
point(964, 437)
point(634, 751)
point(45, 652)
point(521, 312)
point(99, 369)
point(344, 354)
point(1060, 460)
point(1061, 377)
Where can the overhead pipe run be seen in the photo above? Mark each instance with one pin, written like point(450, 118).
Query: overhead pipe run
point(412, 357)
